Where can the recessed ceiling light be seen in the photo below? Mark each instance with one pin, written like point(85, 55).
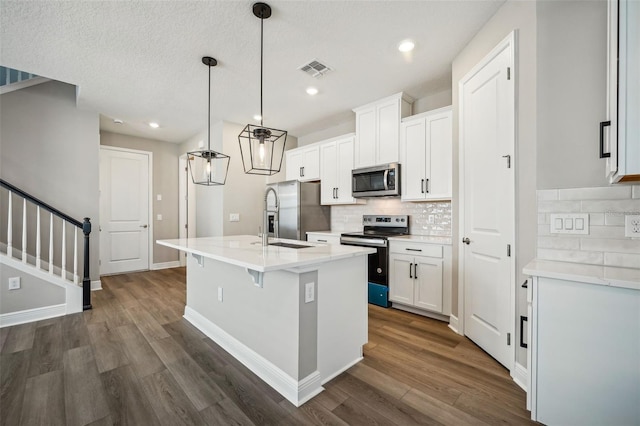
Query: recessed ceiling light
point(118, 121)
point(154, 125)
point(406, 46)
point(257, 117)
point(312, 91)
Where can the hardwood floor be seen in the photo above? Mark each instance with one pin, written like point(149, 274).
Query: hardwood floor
point(133, 360)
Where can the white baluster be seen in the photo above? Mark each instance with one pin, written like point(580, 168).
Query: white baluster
point(51, 243)
point(63, 271)
point(10, 227)
point(38, 252)
point(24, 230)
point(75, 255)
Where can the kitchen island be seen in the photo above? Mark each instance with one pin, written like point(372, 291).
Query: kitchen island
point(296, 317)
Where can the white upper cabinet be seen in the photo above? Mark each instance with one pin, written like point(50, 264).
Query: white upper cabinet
point(620, 134)
point(426, 156)
point(336, 163)
point(303, 163)
point(378, 130)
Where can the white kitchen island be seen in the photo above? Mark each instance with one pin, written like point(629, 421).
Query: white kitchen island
point(295, 317)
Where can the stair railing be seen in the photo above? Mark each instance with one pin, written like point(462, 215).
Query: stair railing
point(84, 226)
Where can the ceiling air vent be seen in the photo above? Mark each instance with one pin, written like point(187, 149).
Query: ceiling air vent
point(315, 68)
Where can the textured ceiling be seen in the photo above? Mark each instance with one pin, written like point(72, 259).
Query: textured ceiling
point(140, 60)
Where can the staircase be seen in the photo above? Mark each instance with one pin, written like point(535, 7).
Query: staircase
point(43, 242)
point(11, 79)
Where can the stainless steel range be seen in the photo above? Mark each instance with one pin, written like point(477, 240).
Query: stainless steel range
point(377, 230)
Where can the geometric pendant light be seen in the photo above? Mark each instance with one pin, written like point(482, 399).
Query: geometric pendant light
point(208, 167)
point(262, 148)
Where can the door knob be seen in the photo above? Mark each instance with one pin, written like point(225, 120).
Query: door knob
point(466, 240)
point(144, 226)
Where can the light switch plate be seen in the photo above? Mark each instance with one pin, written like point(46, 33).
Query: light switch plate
point(569, 223)
point(159, 217)
point(632, 225)
point(234, 217)
point(309, 292)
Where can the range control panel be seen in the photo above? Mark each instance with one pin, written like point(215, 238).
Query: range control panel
point(390, 220)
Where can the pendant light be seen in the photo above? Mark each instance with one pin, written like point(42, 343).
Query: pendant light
point(208, 167)
point(262, 148)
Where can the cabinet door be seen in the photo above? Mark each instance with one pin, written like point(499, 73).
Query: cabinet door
point(294, 164)
point(328, 173)
point(401, 280)
point(428, 289)
point(365, 147)
point(311, 164)
point(388, 126)
point(413, 160)
point(439, 169)
point(344, 161)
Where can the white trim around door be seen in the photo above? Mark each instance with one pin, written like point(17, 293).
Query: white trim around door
point(507, 44)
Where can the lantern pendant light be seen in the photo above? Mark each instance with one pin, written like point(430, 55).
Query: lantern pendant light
point(262, 147)
point(208, 167)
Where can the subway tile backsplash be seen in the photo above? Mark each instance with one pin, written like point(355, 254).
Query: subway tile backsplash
point(605, 244)
point(426, 218)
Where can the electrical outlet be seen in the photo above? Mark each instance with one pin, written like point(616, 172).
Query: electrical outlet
point(632, 225)
point(234, 217)
point(14, 283)
point(159, 217)
point(309, 292)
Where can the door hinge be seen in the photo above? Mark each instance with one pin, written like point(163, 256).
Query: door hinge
point(508, 73)
point(508, 339)
point(186, 227)
point(508, 157)
point(508, 250)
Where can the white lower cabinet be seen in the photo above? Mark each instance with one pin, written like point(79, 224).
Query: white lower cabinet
point(420, 276)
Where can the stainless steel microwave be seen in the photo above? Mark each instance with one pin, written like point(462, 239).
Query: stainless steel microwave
point(377, 181)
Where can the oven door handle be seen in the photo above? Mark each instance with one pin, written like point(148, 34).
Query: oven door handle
point(368, 242)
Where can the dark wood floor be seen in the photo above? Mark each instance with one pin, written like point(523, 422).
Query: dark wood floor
point(134, 360)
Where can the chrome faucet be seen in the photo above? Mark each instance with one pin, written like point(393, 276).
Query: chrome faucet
point(276, 218)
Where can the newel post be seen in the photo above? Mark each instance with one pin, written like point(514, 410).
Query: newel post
point(86, 280)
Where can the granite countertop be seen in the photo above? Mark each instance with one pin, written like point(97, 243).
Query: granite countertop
point(430, 239)
point(590, 274)
point(247, 251)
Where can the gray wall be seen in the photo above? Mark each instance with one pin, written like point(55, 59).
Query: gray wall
point(33, 292)
point(521, 16)
point(572, 72)
point(50, 149)
point(165, 182)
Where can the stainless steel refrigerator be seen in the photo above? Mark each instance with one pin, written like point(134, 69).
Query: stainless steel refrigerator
point(300, 209)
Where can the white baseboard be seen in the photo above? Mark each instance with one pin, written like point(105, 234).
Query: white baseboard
point(454, 323)
point(30, 315)
point(520, 375)
point(165, 265)
point(296, 391)
point(339, 372)
point(96, 285)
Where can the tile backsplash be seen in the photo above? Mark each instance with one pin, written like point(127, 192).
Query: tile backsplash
point(605, 244)
point(426, 218)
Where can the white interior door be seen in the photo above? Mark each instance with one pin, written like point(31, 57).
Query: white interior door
point(487, 216)
point(124, 210)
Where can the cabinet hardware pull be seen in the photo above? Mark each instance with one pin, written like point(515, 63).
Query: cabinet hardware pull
point(508, 157)
point(322, 241)
point(410, 266)
point(422, 186)
point(415, 271)
point(522, 320)
point(426, 185)
point(337, 196)
point(303, 171)
point(300, 172)
point(525, 284)
point(603, 154)
point(410, 249)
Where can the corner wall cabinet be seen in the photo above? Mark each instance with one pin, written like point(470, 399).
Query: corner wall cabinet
point(583, 352)
point(420, 276)
point(336, 163)
point(426, 155)
point(303, 163)
point(620, 134)
point(378, 130)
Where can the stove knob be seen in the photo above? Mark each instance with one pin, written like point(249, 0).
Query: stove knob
point(403, 220)
point(379, 270)
point(397, 220)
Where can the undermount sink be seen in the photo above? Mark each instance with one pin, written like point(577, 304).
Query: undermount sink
point(289, 245)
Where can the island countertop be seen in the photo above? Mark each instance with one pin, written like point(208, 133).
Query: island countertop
point(247, 251)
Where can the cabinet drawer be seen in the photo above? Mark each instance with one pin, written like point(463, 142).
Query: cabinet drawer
point(323, 238)
point(416, 249)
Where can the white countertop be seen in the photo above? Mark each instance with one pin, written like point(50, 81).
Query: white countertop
point(247, 251)
point(591, 274)
point(430, 239)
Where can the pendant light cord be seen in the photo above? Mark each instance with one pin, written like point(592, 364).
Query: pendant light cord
point(261, 64)
point(209, 114)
